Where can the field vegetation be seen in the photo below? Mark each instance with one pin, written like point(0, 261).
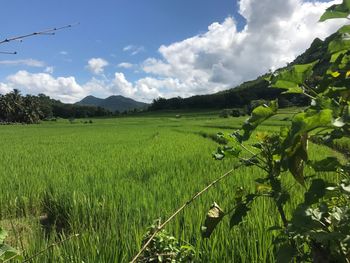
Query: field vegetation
point(108, 180)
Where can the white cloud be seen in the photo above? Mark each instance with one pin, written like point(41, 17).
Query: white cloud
point(144, 89)
point(133, 49)
point(63, 88)
point(23, 62)
point(276, 32)
point(125, 65)
point(68, 90)
point(122, 85)
point(96, 65)
point(64, 53)
point(4, 88)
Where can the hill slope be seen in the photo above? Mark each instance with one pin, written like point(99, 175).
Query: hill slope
point(113, 103)
point(251, 90)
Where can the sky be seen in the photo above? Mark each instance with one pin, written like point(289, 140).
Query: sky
point(155, 48)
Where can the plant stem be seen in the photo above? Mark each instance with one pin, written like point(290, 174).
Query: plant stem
point(48, 247)
point(159, 228)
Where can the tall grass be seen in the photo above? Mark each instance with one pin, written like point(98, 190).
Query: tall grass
point(108, 181)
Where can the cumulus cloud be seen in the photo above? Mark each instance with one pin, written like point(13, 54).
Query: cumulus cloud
point(68, 90)
point(275, 33)
point(63, 88)
point(122, 85)
point(23, 62)
point(125, 65)
point(4, 88)
point(96, 65)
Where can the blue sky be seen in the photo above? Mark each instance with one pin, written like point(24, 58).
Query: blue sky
point(106, 27)
point(145, 49)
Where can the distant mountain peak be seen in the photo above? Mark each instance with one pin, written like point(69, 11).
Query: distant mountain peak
point(113, 103)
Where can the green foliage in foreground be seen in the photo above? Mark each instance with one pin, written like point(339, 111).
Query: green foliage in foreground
point(108, 180)
point(318, 229)
point(7, 252)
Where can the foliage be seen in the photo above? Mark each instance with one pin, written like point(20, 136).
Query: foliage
point(7, 252)
point(15, 108)
point(166, 248)
point(240, 96)
point(319, 227)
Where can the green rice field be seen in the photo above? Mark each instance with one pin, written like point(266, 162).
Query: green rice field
point(109, 180)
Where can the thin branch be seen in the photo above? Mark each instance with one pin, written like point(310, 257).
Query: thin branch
point(9, 259)
point(50, 31)
point(308, 95)
point(253, 163)
point(8, 53)
point(252, 153)
point(159, 228)
point(50, 246)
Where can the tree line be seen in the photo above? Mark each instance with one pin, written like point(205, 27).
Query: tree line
point(16, 108)
point(238, 97)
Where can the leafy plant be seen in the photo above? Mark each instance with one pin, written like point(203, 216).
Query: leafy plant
point(319, 228)
point(7, 252)
point(165, 248)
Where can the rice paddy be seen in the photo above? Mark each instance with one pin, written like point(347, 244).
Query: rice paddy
point(109, 180)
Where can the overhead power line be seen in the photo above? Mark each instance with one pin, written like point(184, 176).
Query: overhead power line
point(50, 31)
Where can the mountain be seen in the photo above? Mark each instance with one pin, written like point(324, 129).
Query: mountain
point(113, 103)
point(257, 89)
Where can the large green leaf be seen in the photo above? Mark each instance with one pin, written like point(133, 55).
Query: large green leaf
point(9, 253)
point(316, 191)
point(344, 29)
point(292, 79)
point(297, 159)
point(329, 164)
point(241, 210)
point(337, 11)
point(309, 120)
point(340, 43)
point(259, 114)
point(295, 144)
point(213, 218)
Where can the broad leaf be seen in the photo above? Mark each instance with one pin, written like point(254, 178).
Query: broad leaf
point(259, 115)
point(296, 160)
point(344, 29)
point(228, 151)
point(337, 11)
point(241, 210)
point(7, 253)
point(309, 120)
point(340, 43)
point(213, 218)
point(292, 79)
point(316, 191)
point(295, 144)
point(329, 164)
